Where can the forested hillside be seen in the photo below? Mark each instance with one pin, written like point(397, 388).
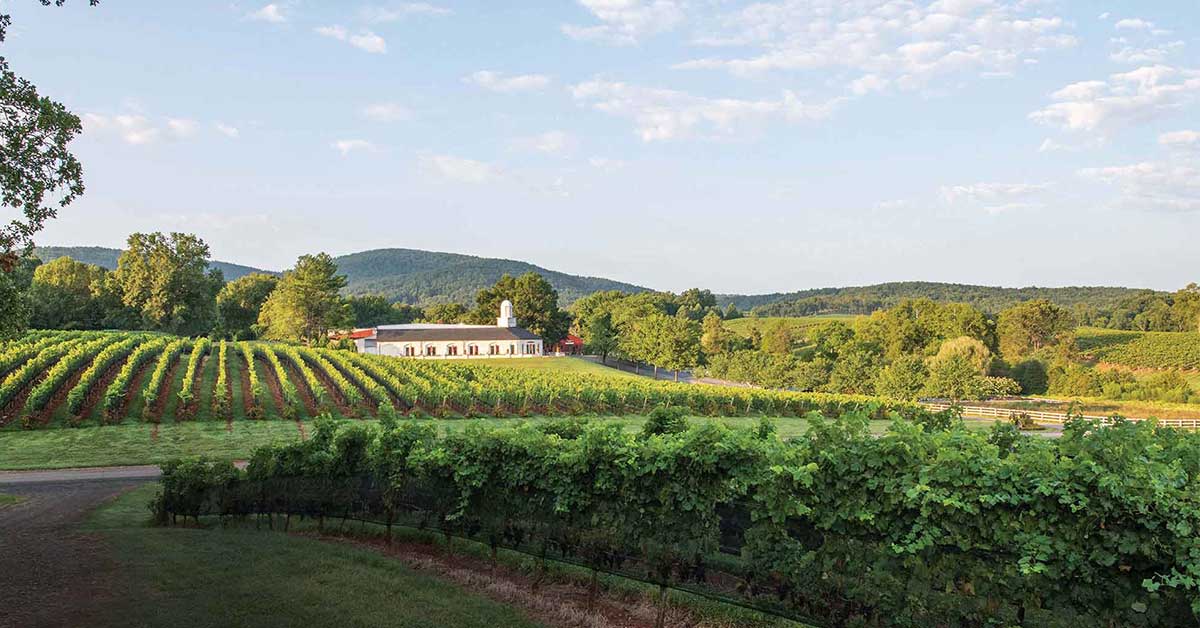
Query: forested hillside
point(867, 299)
point(105, 257)
point(425, 277)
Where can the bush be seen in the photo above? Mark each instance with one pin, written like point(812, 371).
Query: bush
point(665, 420)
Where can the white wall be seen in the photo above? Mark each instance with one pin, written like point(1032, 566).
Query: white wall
point(442, 348)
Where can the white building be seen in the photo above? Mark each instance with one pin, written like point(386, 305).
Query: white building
point(419, 340)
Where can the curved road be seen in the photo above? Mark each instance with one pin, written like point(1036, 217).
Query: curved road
point(53, 573)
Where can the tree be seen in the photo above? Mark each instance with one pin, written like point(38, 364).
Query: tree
point(445, 313)
point(601, 336)
point(777, 338)
point(240, 301)
point(1033, 325)
point(306, 304)
point(594, 304)
point(66, 294)
point(535, 305)
point(731, 312)
point(715, 338)
point(954, 378)
point(14, 296)
point(167, 280)
point(854, 370)
point(35, 162)
point(903, 378)
point(969, 348)
point(375, 309)
point(678, 344)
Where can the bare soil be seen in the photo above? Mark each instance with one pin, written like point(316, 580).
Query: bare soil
point(135, 384)
point(44, 416)
point(164, 388)
point(96, 394)
point(188, 410)
point(306, 395)
point(272, 380)
point(339, 401)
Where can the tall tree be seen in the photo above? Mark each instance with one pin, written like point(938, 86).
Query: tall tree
point(1033, 325)
point(240, 301)
point(65, 294)
point(777, 338)
point(371, 310)
point(678, 344)
point(307, 303)
point(167, 280)
point(601, 336)
point(38, 174)
point(445, 313)
point(535, 304)
point(715, 338)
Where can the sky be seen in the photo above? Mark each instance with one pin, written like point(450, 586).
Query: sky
point(741, 147)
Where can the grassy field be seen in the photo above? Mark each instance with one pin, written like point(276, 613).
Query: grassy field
point(133, 443)
point(215, 577)
point(9, 500)
point(553, 365)
point(798, 325)
point(1103, 407)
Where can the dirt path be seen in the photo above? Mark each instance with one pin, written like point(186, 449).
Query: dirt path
point(51, 572)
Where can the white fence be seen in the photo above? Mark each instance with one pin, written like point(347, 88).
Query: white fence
point(1049, 418)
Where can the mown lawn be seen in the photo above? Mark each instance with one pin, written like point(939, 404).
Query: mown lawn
point(556, 364)
point(133, 443)
point(242, 577)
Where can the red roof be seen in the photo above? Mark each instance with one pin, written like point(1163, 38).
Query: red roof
point(572, 340)
point(359, 334)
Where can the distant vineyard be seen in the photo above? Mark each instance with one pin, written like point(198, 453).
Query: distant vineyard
point(799, 326)
point(1141, 349)
point(80, 378)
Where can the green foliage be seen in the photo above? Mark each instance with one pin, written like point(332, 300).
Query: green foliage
point(1031, 375)
point(535, 305)
point(904, 378)
point(372, 310)
point(199, 349)
point(1141, 349)
point(601, 336)
point(167, 281)
point(115, 395)
point(306, 304)
point(926, 525)
point(220, 397)
point(1029, 327)
point(665, 420)
point(240, 301)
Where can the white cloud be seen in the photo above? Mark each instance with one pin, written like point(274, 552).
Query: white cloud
point(269, 13)
point(664, 114)
point(1180, 139)
point(995, 198)
point(460, 169)
point(401, 11)
point(182, 128)
point(904, 43)
point(867, 84)
point(345, 147)
point(1131, 97)
point(387, 112)
point(1151, 54)
point(625, 22)
point(139, 129)
point(1155, 186)
point(231, 132)
point(1104, 16)
point(365, 40)
point(550, 142)
point(497, 82)
point(1133, 24)
point(605, 163)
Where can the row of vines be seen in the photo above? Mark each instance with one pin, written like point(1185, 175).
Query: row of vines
point(78, 378)
point(927, 525)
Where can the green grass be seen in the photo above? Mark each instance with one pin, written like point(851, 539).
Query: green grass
point(9, 500)
point(553, 364)
point(1141, 349)
point(240, 577)
point(131, 443)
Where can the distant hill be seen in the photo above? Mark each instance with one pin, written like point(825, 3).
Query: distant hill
point(425, 277)
point(866, 299)
point(107, 258)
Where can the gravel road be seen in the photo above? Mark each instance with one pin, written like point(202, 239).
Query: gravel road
point(51, 572)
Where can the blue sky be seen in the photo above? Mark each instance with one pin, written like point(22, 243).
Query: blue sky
point(743, 147)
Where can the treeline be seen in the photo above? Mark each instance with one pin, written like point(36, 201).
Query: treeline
point(921, 348)
point(166, 283)
point(928, 524)
point(1114, 308)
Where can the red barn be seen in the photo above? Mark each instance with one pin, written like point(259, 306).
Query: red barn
point(571, 345)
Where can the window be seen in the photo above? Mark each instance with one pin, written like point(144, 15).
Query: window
point(530, 348)
point(511, 349)
point(430, 350)
point(493, 349)
point(472, 349)
point(409, 351)
point(452, 350)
